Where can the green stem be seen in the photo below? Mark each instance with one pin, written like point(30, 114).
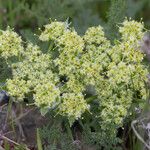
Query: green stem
point(69, 131)
point(10, 14)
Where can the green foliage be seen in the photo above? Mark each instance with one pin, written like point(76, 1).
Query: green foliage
point(56, 137)
point(79, 77)
point(32, 14)
point(116, 15)
point(58, 78)
point(101, 139)
point(10, 12)
point(26, 15)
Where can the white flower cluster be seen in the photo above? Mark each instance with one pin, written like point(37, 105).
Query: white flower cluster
point(114, 71)
point(73, 105)
point(53, 31)
point(35, 75)
point(10, 44)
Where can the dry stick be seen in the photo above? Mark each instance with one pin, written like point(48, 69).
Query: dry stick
point(1, 108)
point(11, 141)
point(23, 115)
point(18, 123)
point(5, 138)
point(137, 134)
point(1, 148)
point(8, 132)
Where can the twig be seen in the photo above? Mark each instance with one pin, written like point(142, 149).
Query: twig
point(1, 107)
point(1, 148)
point(137, 134)
point(11, 141)
point(21, 116)
point(8, 132)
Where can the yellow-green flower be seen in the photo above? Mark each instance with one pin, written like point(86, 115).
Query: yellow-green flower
point(73, 105)
point(10, 44)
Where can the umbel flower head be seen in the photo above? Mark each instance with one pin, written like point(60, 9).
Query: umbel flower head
point(10, 44)
point(17, 87)
point(59, 77)
point(131, 30)
point(53, 31)
point(34, 74)
point(73, 105)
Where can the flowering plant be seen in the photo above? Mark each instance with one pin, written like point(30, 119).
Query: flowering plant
point(59, 79)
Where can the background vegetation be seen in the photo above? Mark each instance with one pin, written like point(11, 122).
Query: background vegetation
point(26, 16)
